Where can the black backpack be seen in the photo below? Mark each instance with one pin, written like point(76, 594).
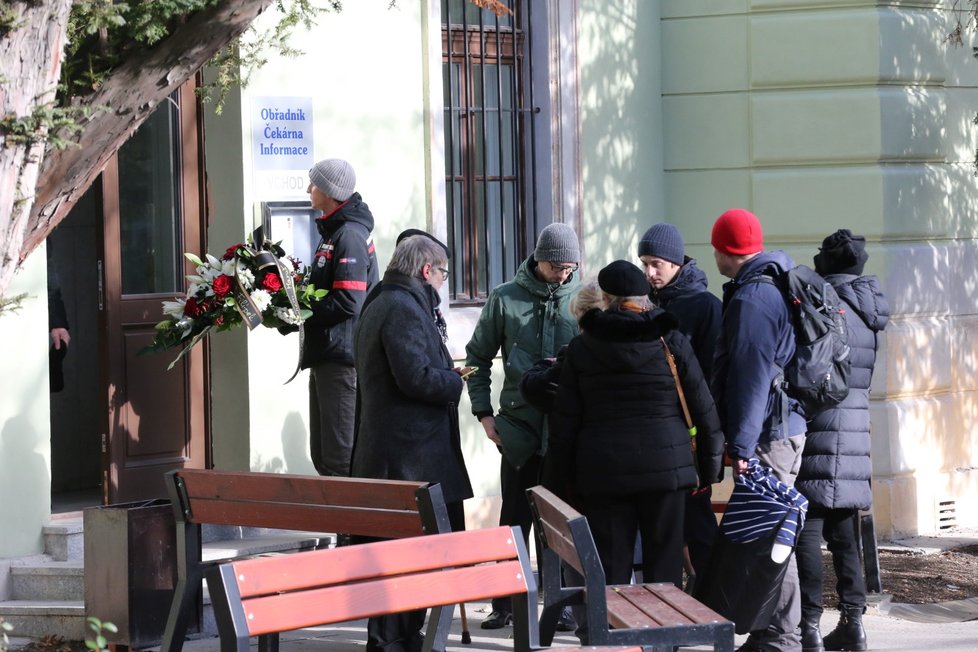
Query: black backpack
point(818, 374)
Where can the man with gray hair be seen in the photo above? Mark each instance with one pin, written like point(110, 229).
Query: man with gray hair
point(409, 392)
point(528, 319)
point(345, 263)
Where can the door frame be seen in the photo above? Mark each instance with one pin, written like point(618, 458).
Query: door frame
point(115, 318)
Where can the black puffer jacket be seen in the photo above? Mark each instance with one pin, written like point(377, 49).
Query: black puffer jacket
point(836, 467)
point(617, 426)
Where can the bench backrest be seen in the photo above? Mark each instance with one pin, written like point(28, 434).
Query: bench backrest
point(378, 508)
point(273, 594)
point(565, 536)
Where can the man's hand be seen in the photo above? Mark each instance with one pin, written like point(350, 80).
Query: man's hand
point(489, 425)
point(738, 467)
point(60, 336)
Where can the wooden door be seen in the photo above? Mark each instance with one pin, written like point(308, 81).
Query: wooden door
point(157, 419)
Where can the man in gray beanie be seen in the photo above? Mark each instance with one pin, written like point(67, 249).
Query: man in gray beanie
point(528, 320)
point(680, 287)
point(345, 263)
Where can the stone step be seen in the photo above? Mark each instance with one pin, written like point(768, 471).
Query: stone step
point(37, 618)
point(51, 580)
point(64, 539)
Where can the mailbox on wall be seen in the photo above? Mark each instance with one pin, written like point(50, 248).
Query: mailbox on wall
point(293, 223)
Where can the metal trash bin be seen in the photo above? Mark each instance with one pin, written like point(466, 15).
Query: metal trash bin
point(131, 569)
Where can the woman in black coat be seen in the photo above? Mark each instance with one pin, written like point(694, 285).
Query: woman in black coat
point(619, 446)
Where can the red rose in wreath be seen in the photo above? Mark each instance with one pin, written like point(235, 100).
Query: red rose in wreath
point(272, 282)
point(222, 285)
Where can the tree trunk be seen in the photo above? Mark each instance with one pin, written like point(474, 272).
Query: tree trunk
point(31, 64)
point(130, 95)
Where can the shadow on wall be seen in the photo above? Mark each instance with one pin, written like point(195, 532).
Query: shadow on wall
point(19, 441)
point(621, 146)
point(295, 450)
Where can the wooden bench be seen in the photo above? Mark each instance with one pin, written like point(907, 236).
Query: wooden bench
point(654, 615)
point(372, 508)
point(267, 595)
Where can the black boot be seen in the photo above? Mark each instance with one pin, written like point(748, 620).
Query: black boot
point(849, 633)
point(811, 636)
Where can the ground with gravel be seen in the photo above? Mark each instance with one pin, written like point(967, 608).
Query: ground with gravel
point(917, 578)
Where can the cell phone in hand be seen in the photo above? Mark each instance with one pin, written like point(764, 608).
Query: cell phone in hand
point(468, 372)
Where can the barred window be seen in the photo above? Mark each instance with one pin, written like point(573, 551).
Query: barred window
point(489, 145)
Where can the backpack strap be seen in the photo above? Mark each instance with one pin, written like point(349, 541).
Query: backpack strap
point(778, 382)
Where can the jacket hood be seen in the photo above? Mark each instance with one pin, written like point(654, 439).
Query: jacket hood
point(864, 296)
point(526, 278)
point(766, 262)
point(353, 210)
point(689, 279)
point(622, 337)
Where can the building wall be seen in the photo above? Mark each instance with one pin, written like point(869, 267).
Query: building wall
point(369, 72)
point(621, 134)
point(25, 450)
point(821, 115)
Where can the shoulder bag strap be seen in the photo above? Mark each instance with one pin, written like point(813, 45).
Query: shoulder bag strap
point(679, 387)
point(682, 401)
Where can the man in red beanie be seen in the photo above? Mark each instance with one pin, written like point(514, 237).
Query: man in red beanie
point(756, 341)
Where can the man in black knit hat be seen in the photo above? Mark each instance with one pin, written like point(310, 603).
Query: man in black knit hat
point(680, 288)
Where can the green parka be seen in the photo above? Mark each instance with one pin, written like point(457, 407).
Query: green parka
point(527, 320)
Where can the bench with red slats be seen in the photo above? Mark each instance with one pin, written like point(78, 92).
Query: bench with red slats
point(655, 615)
point(259, 596)
point(357, 506)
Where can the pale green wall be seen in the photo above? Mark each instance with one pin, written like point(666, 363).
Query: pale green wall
point(25, 424)
point(826, 114)
point(621, 135)
point(230, 420)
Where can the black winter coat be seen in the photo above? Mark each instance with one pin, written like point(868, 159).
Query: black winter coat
point(345, 264)
point(698, 311)
point(617, 426)
point(408, 427)
point(836, 467)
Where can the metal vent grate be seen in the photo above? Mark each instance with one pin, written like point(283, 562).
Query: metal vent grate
point(947, 516)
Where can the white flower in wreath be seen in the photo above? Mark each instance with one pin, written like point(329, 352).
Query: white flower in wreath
point(247, 278)
point(195, 288)
point(262, 299)
point(227, 268)
point(174, 308)
point(288, 316)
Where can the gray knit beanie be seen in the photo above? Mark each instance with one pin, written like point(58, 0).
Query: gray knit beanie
point(663, 241)
point(558, 244)
point(334, 177)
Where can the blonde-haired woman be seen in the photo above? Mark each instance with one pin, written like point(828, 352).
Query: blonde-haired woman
point(539, 384)
point(620, 449)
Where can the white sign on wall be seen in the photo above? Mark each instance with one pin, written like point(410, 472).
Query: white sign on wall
point(282, 146)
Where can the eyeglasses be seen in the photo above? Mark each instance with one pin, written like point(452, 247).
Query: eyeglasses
point(564, 268)
point(444, 273)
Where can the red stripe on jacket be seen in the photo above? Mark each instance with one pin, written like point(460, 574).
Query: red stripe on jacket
point(350, 285)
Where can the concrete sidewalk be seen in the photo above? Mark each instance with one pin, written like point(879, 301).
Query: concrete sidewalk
point(884, 633)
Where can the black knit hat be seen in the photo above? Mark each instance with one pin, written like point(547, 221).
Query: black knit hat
point(407, 233)
point(841, 253)
point(623, 279)
point(663, 241)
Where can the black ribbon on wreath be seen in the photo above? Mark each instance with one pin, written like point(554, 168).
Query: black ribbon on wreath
point(267, 255)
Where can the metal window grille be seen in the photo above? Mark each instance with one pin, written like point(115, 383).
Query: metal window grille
point(489, 152)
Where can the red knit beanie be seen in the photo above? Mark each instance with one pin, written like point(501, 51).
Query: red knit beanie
point(737, 232)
